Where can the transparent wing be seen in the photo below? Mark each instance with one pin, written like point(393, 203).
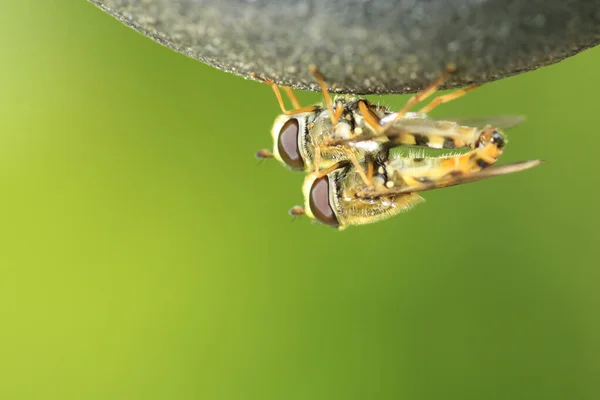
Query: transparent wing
point(460, 179)
point(422, 125)
point(500, 122)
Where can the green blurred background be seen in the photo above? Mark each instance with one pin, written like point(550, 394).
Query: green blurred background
point(145, 253)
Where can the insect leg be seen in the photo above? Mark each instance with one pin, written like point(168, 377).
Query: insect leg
point(293, 98)
point(367, 179)
point(370, 172)
point(422, 95)
point(446, 98)
point(339, 164)
point(370, 118)
point(321, 80)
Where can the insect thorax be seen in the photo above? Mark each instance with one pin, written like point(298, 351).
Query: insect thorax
point(320, 130)
point(352, 210)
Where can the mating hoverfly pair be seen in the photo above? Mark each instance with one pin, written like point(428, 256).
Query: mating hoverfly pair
point(346, 147)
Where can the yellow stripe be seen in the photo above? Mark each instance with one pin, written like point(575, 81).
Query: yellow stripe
point(407, 138)
point(436, 142)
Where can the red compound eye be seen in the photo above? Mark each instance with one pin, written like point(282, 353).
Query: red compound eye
point(288, 145)
point(319, 202)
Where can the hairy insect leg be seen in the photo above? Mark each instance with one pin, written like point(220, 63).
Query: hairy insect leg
point(321, 81)
point(293, 98)
point(339, 164)
point(370, 172)
point(366, 178)
point(448, 97)
point(370, 118)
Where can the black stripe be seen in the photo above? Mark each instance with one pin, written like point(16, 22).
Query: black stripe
point(421, 140)
point(483, 163)
point(449, 143)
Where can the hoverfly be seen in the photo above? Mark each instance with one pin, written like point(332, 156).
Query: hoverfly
point(345, 149)
point(339, 198)
point(316, 137)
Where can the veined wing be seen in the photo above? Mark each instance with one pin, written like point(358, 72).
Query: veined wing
point(420, 130)
point(453, 180)
point(499, 122)
point(449, 127)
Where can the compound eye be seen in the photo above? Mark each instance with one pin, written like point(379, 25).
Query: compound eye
point(319, 202)
point(288, 145)
point(498, 139)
